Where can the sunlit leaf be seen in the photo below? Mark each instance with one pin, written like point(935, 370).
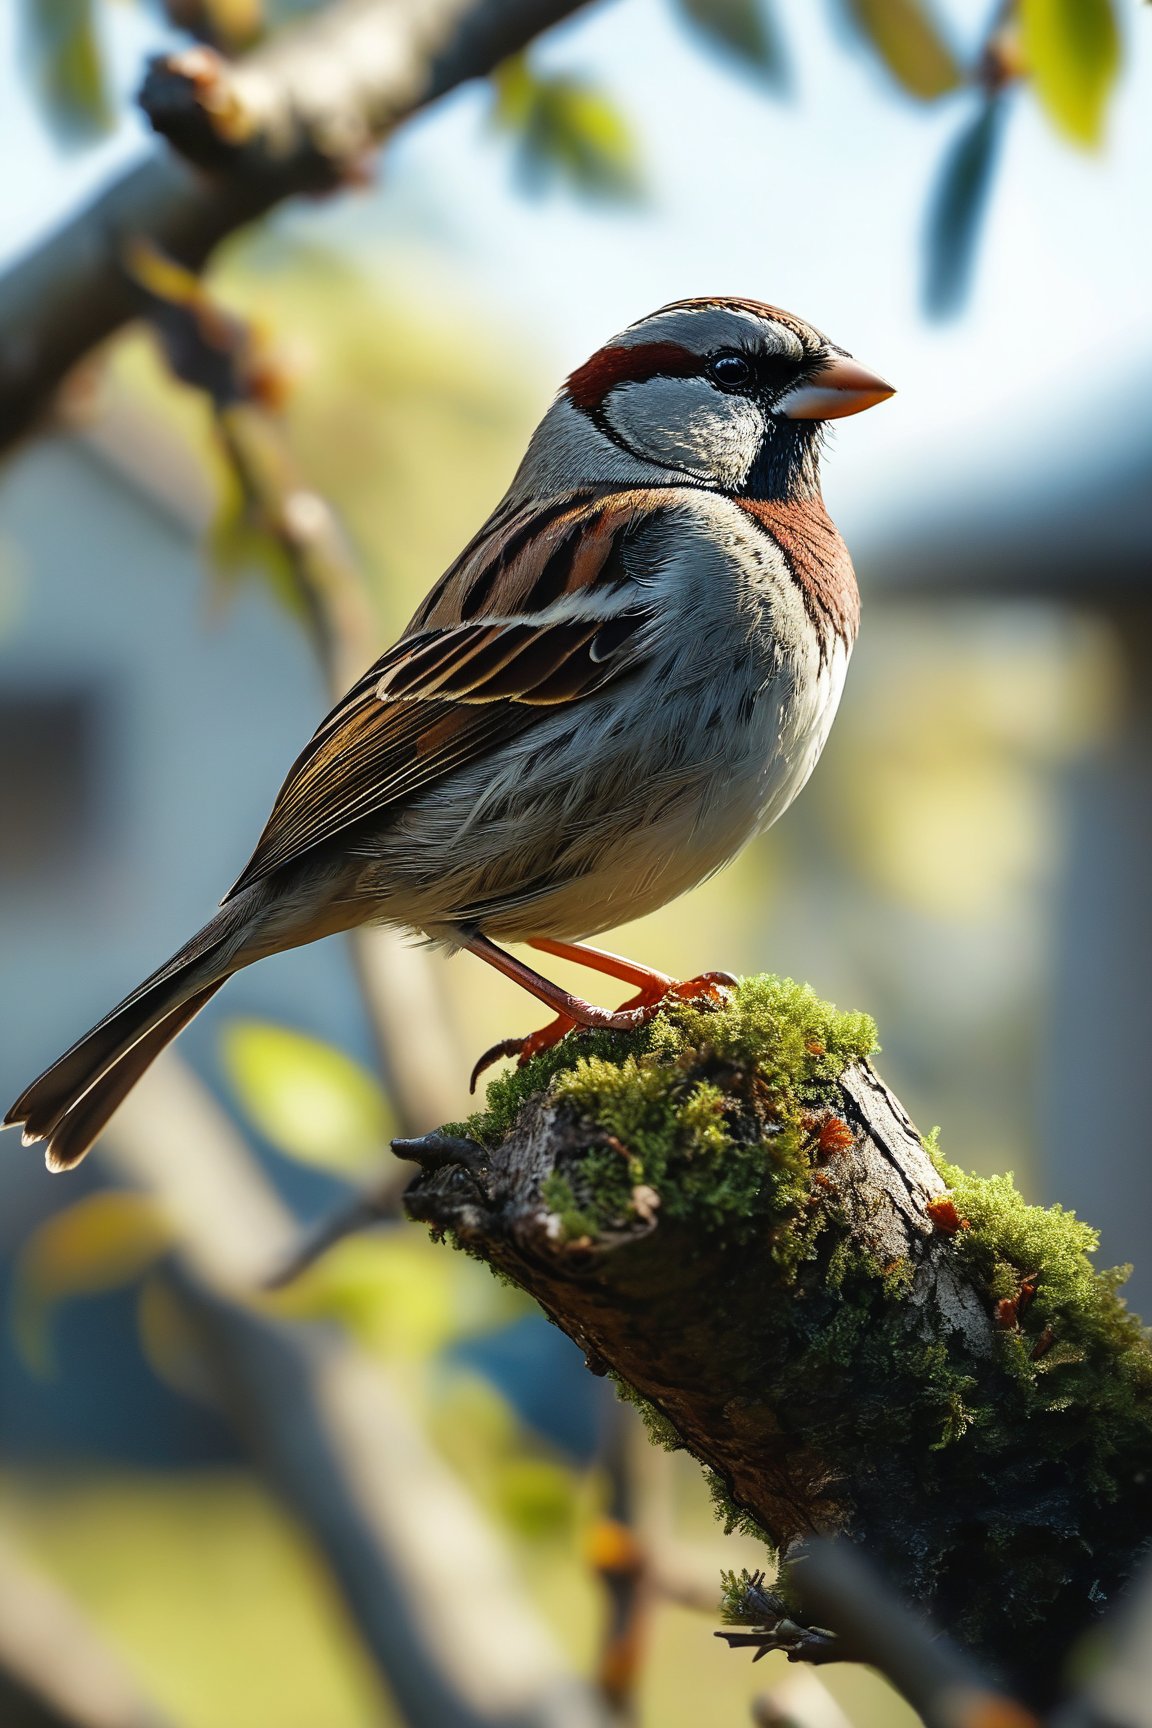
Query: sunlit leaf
point(306, 1097)
point(957, 210)
point(103, 1241)
point(745, 29)
point(567, 133)
point(396, 1295)
point(905, 35)
point(1073, 52)
point(63, 46)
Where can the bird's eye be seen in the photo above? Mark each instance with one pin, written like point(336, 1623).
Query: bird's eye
point(731, 370)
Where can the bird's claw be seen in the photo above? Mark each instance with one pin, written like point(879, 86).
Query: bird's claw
point(712, 986)
point(522, 1048)
point(637, 1011)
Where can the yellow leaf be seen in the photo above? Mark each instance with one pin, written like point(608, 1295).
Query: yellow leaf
point(309, 1099)
point(911, 45)
point(1073, 52)
point(103, 1241)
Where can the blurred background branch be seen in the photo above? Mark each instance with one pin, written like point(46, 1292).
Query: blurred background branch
point(295, 117)
point(336, 1444)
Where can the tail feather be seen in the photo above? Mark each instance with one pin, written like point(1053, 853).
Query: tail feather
point(72, 1100)
point(74, 1131)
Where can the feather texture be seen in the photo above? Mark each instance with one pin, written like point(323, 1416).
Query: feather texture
point(563, 617)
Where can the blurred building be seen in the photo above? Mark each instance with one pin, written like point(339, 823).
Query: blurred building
point(1070, 529)
point(142, 729)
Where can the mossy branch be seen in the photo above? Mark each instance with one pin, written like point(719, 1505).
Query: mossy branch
point(731, 1213)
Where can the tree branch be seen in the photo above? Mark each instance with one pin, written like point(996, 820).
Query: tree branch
point(733, 1214)
point(292, 117)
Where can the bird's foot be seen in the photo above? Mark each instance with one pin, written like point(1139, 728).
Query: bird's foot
point(637, 1011)
point(523, 1048)
point(707, 986)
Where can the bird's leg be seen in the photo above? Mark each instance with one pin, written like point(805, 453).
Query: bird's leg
point(573, 1011)
point(653, 986)
point(650, 986)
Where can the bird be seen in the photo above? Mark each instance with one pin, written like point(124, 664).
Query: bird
point(628, 672)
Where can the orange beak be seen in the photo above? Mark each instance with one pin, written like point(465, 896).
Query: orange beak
point(840, 387)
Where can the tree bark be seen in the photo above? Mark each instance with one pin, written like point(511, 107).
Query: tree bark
point(854, 1356)
point(295, 116)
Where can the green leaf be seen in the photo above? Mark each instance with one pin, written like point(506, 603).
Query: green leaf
point(909, 42)
point(1072, 48)
point(567, 132)
point(958, 208)
point(743, 29)
point(61, 40)
point(309, 1099)
point(101, 1242)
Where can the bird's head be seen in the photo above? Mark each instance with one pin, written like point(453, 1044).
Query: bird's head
point(724, 393)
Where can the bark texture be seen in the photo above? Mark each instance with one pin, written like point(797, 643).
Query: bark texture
point(852, 1338)
point(296, 116)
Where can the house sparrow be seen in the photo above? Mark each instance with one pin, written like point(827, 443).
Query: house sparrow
point(630, 670)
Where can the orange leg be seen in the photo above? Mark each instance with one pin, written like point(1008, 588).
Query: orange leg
point(572, 1010)
point(654, 986)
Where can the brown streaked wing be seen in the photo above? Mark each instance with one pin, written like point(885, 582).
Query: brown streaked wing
point(451, 691)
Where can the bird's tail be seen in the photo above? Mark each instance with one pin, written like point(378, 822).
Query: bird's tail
point(71, 1101)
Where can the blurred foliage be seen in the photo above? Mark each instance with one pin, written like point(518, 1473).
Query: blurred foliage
point(958, 205)
point(307, 1098)
point(383, 378)
point(1072, 49)
point(745, 30)
point(100, 1242)
point(223, 1611)
point(566, 133)
point(909, 42)
point(219, 1603)
point(395, 1298)
point(62, 44)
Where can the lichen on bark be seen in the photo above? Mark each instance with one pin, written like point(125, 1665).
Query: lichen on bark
point(732, 1214)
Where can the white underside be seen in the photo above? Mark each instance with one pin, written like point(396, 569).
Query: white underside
point(609, 808)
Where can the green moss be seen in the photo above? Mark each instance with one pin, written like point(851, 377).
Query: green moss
point(705, 1107)
point(1066, 1338)
point(660, 1430)
point(556, 1193)
point(1036, 1456)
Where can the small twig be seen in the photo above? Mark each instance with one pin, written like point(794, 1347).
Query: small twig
point(768, 1627)
point(366, 1212)
point(621, 1561)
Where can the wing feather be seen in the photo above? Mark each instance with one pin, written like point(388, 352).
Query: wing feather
point(456, 686)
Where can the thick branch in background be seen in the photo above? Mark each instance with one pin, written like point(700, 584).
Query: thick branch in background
point(331, 1438)
point(293, 117)
point(732, 1213)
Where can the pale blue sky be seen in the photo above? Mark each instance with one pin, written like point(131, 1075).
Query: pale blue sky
point(817, 203)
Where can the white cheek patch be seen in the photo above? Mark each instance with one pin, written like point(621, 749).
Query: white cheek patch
point(684, 423)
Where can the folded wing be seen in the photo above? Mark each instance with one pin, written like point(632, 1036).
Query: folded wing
point(542, 609)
